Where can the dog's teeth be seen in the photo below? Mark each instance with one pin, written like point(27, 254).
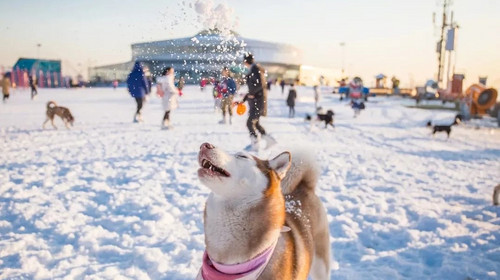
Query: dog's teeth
point(205, 163)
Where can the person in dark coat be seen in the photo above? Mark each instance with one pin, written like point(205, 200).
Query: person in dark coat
point(138, 87)
point(282, 84)
point(257, 99)
point(290, 101)
point(32, 82)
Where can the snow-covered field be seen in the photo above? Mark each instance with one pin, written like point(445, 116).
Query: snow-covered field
point(110, 199)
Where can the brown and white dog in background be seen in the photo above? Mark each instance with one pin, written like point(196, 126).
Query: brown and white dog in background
point(259, 204)
point(62, 112)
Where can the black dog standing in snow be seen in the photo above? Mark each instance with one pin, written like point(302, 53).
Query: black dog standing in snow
point(327, 118)
point(444, 128)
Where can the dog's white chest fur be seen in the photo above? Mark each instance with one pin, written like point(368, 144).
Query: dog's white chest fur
point(228, 229)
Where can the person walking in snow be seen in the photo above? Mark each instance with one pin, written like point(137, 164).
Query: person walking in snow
point(226, 88)
point(6, 86)
point(203, 83)
point(290, 101)
point(149, 80)
point(217, 96)
point(316, 96)
point(395, 85)
point(180, 85)
point(32, 82)
point(138, 87)
point(282, 84)
point(356, 95)
point(168, 92)
point(256, 98)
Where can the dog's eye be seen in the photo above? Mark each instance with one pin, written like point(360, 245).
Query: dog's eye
point(241, 156)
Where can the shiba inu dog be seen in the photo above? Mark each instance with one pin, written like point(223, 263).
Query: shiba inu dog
point(62, 112)
point(263, 219)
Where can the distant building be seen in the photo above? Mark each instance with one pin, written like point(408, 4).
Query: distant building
point(109, 73)
point(203, 55)
point(47, 72)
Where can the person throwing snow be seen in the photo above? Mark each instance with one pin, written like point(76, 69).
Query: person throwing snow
point(256, 98)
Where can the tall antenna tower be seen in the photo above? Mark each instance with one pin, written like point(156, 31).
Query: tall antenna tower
point(440, 45)
point(445, 45)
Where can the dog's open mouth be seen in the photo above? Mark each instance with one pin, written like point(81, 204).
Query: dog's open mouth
point(205, 164)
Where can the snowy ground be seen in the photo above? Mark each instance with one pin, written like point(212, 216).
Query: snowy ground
point(110, 199)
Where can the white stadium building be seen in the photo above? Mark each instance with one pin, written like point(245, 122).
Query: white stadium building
point(204, 55)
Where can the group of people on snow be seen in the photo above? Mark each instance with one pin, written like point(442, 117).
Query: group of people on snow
point(6, 86)
point(224, 91)
point(140, 87)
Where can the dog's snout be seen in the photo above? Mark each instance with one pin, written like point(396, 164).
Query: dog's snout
point(207, 146)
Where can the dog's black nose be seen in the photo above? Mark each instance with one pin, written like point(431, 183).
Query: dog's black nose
point(207, 146)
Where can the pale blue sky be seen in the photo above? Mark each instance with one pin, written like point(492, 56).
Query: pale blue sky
point(395, 37)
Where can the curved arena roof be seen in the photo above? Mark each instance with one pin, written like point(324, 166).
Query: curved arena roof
point(208, 47)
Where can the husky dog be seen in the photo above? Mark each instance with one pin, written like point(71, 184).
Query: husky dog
point(444, 128)
point(262, 219)
point(62, 112)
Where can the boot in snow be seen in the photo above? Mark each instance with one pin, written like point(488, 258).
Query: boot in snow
point(270, 141)
point(254, 145)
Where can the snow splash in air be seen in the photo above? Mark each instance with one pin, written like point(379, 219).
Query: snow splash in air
point(217, 44)
point(220, 16)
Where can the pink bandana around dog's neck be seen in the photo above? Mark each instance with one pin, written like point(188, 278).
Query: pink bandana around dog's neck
point(248, 270)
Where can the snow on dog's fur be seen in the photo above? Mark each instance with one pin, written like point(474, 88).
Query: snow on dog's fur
point(253, 200)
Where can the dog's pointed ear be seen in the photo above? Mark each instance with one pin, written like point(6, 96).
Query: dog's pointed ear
point(281, 164)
